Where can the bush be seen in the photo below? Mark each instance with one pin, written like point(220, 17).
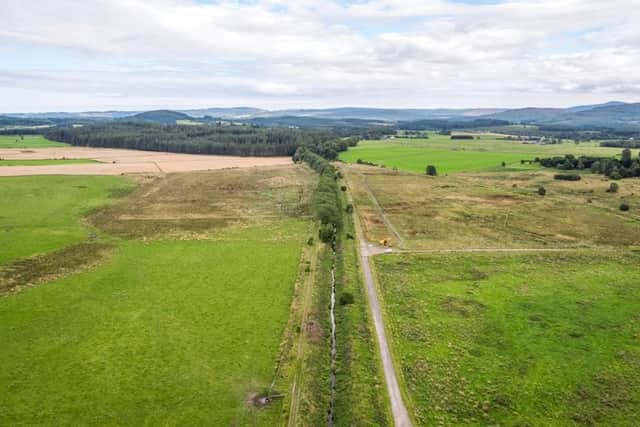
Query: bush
point(613, 188)
point(542, 191)
point(624, 206)
point(310, 241)
point(431, 170)
point(567, 177)
point(343, 188)
point(349, 208)
point(346, 298)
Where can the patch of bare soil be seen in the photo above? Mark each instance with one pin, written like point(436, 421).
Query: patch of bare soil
point(314, 331)
point(27, 272)
point(257, 400)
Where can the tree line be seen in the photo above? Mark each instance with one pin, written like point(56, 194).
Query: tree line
point(327, 201)
point(625, 167)
point(239, 140)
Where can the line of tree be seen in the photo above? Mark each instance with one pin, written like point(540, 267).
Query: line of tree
point(625, 167)
point(240, 140)
point(621, 144)
point(327, 201)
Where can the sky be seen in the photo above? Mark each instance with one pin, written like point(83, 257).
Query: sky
point(69, 55)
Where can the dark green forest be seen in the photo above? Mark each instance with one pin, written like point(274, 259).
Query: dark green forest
point(238, 140)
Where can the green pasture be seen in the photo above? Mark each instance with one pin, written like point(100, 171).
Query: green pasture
point(27, 141)
point(42, 213)
point(516, 340)
point(450, 156)
point(169, 332)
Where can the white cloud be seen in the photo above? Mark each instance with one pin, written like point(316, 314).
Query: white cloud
point(274, 53)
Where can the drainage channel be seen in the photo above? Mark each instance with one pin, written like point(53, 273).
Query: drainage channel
point(332, 314)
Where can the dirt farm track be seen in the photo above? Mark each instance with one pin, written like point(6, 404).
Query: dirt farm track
point(117, 162)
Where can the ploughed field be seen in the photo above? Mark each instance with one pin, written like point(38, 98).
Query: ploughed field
point(56, 160)
point(449, 156)
point(162, 300)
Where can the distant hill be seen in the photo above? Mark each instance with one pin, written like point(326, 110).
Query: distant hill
point(609, 115)
point(166, 117)
point(612, 114)
point(226, 113)
point(528, 115)
point(381, 114)
point(315, 122)
point(580, 108)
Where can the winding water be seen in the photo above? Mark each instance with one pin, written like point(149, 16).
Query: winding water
point(333, 343)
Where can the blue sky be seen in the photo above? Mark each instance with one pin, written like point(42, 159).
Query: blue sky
point(139, 54)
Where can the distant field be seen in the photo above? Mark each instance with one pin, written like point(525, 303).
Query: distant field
point(450, 156)
point(178, 312)
point(516, 339)
point(495, 210)
point(44, 162)
point(27, 141)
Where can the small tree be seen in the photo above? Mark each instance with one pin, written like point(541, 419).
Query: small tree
point(346, 298)
point(613, 188)
point(624, 206)
point(504, 165)
point(431, 170)
point(542, 191)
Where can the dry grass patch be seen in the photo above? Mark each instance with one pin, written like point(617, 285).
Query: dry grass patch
point(182, 205)
point(495, 210)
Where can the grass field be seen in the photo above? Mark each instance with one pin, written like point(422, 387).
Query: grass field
point(44, 162)
point(495, 210)
point(27, 141)
point(531, 339)
point(43, 214)
point(180, 318)
point(450, 156)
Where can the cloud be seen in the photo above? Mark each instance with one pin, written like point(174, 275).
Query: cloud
point(275, 53)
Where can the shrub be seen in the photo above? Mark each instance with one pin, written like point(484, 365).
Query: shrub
point(567, 177)
point(431, 170)
point(504, 165)
point(310, 241)
point(542, 191)
point(326, 233)
point(624, 206)
point(346, 298)
point(349, 208)
point(613, 188)
point(343, 188)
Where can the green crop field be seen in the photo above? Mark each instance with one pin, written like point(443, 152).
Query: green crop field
point(169, 307)
point(450, 156)
point(44, 162)
point(535, 339)
point(27, 141)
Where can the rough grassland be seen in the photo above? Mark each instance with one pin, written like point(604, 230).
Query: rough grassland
point(27, 141)
point(43, 214)
point(496, 210)
point(450, 156)
point(178, 323)
point(520, 340)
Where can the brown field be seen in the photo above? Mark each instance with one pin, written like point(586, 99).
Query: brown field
point(191, 205)
point(117, 162)
point(494, 210)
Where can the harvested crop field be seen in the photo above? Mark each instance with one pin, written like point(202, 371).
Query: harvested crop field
point(117, 162)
